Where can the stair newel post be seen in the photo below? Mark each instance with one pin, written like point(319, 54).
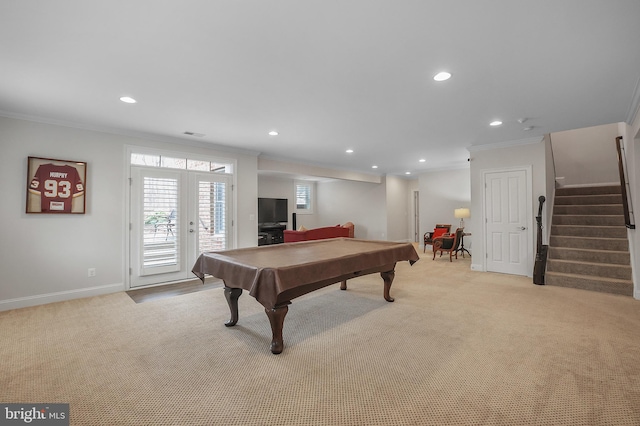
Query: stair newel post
point(541, 250)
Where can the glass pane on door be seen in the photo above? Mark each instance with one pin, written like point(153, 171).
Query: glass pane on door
point(212, 216)
point(161, 235)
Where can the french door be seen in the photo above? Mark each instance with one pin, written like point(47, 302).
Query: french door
point(175, 216)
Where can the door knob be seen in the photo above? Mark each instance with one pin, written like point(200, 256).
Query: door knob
point(190, 230)
point(522, 228)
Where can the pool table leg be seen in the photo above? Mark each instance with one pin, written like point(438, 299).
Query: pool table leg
point(232, 295)
point(388, 279)
point(276, 318)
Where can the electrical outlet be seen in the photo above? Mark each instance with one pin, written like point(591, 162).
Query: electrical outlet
point(91, 272)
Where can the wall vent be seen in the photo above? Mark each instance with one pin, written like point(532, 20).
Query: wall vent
point(198, 135)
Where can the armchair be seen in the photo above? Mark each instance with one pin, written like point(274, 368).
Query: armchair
point(438, 231)
point(448, 243)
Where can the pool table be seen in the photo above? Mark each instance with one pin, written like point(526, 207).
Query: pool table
point(276, 274)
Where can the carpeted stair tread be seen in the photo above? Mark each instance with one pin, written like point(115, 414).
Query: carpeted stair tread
point(588, 199)
point(588, 209)
point(592, 269)
point(589, 190)
point(620, 257)
point(589, 219)
point(581, 276)
point(587, 282)
point(570, 241)
point(590, 231)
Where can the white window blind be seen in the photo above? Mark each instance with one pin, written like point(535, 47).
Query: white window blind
point(212, 230)
point(304, 194)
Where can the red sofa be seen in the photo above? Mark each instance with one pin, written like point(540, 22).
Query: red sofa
point(345, 230)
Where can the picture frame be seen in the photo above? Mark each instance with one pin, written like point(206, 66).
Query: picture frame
point(56, 186)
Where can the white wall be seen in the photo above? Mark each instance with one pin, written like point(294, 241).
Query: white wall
point(379, 211)
point(586, 156)
point(362, 203)
point(631, 139)
point(398, 209)
point(45, 257)
point(441, 192)
point(522, 153)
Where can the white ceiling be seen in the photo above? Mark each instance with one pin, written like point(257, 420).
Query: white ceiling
point(327, 75)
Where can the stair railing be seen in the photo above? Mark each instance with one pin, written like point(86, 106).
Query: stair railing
point(541, 250)
point(629, 220)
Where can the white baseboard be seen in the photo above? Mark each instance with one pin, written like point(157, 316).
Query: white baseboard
point(477, 267)
point(61, 296)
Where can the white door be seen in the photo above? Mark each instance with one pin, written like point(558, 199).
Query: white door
point(175, 215)
point(506, 222)
point(209, 224)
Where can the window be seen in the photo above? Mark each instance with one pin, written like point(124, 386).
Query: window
point(304, 197)
point(163, 161)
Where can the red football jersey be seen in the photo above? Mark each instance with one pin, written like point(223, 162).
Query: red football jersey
point(57, 186)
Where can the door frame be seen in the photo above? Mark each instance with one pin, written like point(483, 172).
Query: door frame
point(126, 241)
point(416, 216)
point(528, 170)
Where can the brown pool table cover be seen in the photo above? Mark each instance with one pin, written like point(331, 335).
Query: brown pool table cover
point(266, 272)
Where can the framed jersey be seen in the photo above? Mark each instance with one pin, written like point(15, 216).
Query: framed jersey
point(56, 186)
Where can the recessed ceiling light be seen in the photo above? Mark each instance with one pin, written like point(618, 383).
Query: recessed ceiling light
point(495, 123)
point(349, 151)
point(128, 100)
point(407, 173)
point(374, 167)
point(273, 133)
point(528, 128)
point(422, 160)
point(442, 76)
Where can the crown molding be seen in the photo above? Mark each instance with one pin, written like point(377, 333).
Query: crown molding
point(506, 144)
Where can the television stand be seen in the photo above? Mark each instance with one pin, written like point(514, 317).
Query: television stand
point(271, 233)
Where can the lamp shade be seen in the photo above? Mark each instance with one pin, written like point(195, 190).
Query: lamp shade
point(462, 213)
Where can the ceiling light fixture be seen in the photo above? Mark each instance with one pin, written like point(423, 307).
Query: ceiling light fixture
point(374, 167)
point(495, 123)
point(349, 151)
point(128, 100)
point(442, 76)
point(422, 160)
point(528, 128)
point(273, 133)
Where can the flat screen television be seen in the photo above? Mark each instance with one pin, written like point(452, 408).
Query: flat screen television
point(272, 210)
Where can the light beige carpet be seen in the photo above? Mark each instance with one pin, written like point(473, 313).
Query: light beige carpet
point(457, 347)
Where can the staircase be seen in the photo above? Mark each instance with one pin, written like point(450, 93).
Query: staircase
point(588, 247)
